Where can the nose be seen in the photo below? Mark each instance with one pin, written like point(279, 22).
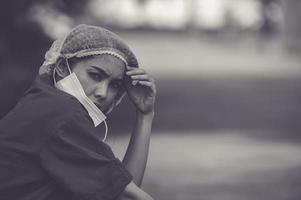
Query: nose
point(101, 91)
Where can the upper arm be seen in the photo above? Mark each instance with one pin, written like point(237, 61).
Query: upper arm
point(79, 162)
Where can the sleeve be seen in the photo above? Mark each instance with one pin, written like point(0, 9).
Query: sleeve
point(81, 163)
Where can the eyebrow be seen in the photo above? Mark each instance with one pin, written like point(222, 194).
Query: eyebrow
point(103, 71)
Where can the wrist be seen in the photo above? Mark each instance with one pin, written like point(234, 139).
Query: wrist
point(148, 115)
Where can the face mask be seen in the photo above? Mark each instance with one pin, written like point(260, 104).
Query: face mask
point(71, 85)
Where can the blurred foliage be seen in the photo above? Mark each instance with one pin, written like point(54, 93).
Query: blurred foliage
point(23, 39)
point(23, 44)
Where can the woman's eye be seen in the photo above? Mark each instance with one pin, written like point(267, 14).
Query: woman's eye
point(95, 76)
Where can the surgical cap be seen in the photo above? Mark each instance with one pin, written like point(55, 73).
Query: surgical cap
point(87, 40)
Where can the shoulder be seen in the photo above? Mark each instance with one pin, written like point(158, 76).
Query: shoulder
point(43, 100)
point(76, 130)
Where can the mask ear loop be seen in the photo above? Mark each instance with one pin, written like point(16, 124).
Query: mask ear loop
point(53, 75)
point(68, 67)
point(106, 132)
point(67, 63)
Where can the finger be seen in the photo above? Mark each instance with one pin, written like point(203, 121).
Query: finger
point(148, 84)
point(135, 71)
point(130, 68)
point(140, 77)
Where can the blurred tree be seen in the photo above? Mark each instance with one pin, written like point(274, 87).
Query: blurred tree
point(142, 1)
point(292, 15)
point(268, 26)
point(23, 44)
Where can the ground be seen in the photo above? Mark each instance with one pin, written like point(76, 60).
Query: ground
point(220, 166)
point(227, 120)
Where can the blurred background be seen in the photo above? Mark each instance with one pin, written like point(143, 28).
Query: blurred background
point(228, 74)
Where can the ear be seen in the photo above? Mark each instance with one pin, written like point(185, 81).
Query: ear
point(61, 68)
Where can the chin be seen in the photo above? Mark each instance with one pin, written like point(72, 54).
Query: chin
point(109, 110)
point(101, 108)
point(104, 109)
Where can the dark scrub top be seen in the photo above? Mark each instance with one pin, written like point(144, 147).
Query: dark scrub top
point(50, 150)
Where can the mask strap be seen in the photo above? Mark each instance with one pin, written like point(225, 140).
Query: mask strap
point(106, 132)
point(53, 75)
point(68, 67)
point(66, 59)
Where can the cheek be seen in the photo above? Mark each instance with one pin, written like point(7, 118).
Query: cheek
point(112, 93)
point(88, 88)
point(86, 83)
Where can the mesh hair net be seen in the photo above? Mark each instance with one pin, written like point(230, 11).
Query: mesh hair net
point(87, 40)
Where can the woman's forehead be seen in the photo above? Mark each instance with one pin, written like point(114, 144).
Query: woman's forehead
point(109, 63)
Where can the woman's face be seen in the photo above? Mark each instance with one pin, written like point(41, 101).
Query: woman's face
point(102, 79)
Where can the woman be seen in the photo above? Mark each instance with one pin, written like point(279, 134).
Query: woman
point(49, 146)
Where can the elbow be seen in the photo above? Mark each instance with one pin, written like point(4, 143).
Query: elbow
point(144, 196)
point(133, 192)
point(150, 198)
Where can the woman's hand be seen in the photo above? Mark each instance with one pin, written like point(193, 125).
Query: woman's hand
point(141, 89)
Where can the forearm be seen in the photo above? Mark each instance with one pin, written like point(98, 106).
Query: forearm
point(137, 152)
